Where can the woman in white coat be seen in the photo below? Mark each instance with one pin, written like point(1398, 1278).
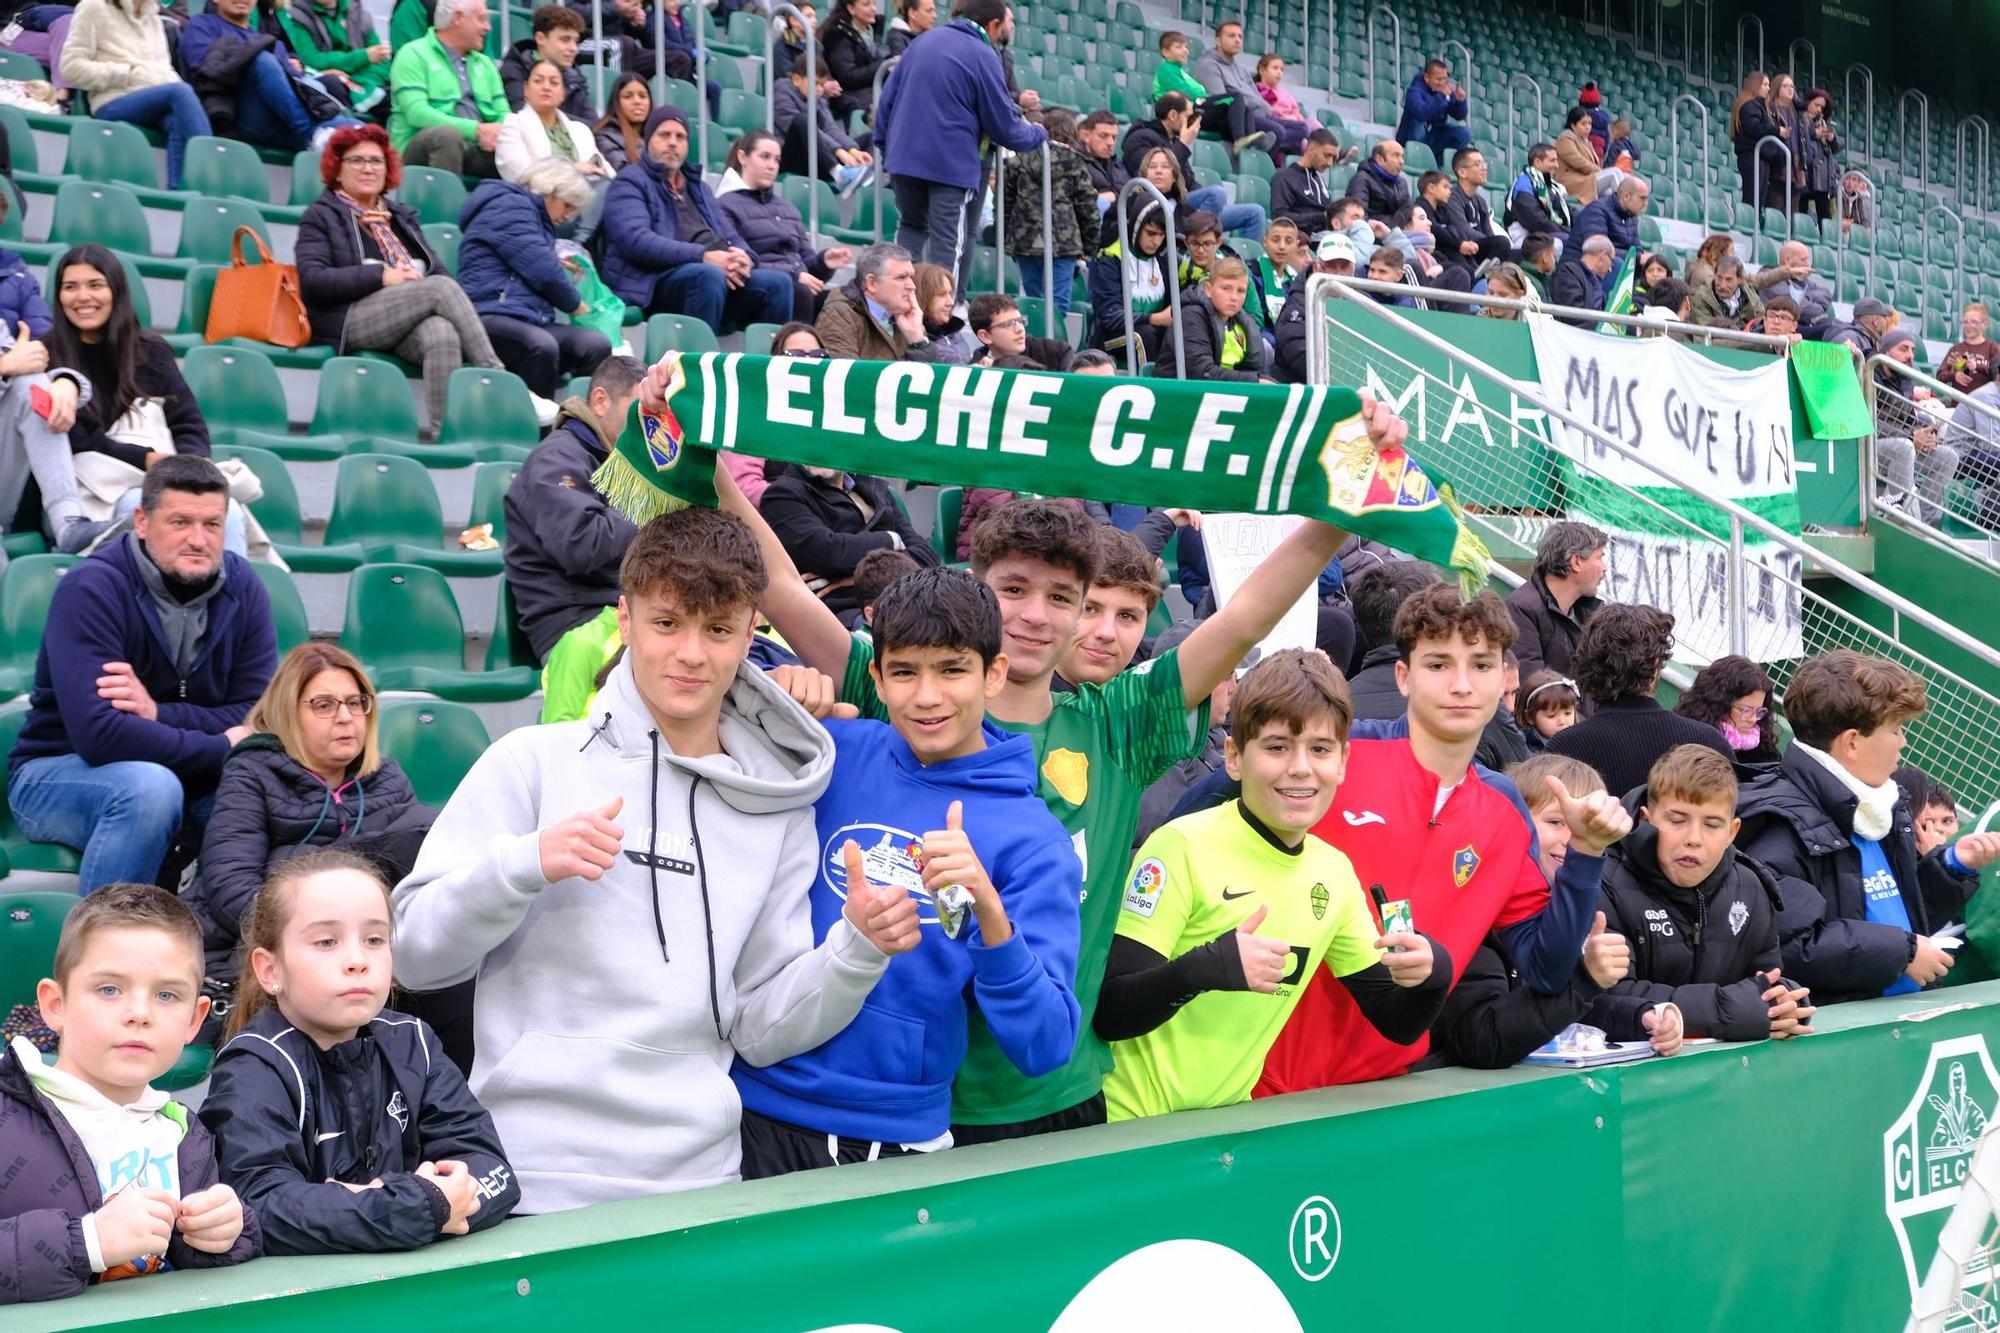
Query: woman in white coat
point(541, 130)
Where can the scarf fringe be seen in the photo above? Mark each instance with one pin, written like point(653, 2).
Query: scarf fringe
point(631, 493)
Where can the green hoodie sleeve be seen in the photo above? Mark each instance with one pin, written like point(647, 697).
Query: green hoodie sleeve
point(309, 53)
point(410, 20)
point(1172, 78)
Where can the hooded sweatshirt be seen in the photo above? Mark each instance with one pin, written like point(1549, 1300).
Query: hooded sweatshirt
point(610, 1010)
point(888, 1077)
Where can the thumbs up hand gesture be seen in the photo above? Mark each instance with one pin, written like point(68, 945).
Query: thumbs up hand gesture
point(583, 846)
point(28, 356)
point(1265, 960)
point(1595, 820)
point(1607, 956)
point(948, 858)
point(886, 915)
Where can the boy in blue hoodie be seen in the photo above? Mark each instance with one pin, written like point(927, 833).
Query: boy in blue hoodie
point(882, 1087)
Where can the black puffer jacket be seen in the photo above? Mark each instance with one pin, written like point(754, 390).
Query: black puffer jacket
point(333, 268)
point(1546, 636)
point(826, 534)
point(268, 807)
point(289, 1119)
point(564, 541)
point(1799, 821)
point(852, 57)
point(1382, 197)
point(1699, 948)
point(771, 226)
point(1492, 1019)
point(1202, 335)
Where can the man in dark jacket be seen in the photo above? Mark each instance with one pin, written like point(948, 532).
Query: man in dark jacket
point(1466, 236)
point(1378, 183)
point(1579, 281)
point(669, 248)
point(828, 519)
point(1298, 191)
point(1619, 658)
point(1097, 137)
point(563, 541)
point(875, 316)
point(1861, 908)
point(1613, 215)
point(1434, 111)
point(1560, 594)
point(942, 103)
point(555, 37)
point(164, 642)
point(246, 80)
point(1332, 254)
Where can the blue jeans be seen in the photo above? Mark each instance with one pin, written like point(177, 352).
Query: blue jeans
point(1237, 219)
point(702, 291)
point(121, 816)
point(1030, 267)
point(268, 110)
point(1444, 140)
point(172, 107)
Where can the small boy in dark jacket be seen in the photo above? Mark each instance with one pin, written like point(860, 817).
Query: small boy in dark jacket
point(1702, 917)
point(110, 1177)
point(343, 1121)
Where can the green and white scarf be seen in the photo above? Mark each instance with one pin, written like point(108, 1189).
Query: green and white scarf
point(1240, 448)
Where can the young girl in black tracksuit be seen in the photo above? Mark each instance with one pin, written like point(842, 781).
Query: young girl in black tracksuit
point(343, 1121)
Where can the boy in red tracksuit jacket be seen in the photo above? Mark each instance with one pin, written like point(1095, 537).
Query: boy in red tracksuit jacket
point(1418, 818)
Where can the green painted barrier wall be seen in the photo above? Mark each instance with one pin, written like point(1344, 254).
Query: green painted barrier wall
point(1459, 437)
point(1736, 1187)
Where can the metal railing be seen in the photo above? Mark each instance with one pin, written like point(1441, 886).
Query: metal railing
point(1840, 231)
point(1973, 425)
point(1757, 183)
point(779, 11)
point(1126, 239)
point(1707, 38)
point(1792, 64)
point(1445, 48)
point(1396, 27)
point(1048, 234)
point(1984, 197)
point(1703, 118)
point(1743, 46)
point(1868, 122)
point(881, 77)
point(1678, 330)
point(1953, 741)
point(1923, 155)
point(1541, 120)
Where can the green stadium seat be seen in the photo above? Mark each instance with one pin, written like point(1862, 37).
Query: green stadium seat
point(1256, 190)
point(757, 339)
point(386, 505)
point(436, 743)
point(436, 195)
point(739, 111)
point(371, 405)
point(30, 926)
point(490, 414)
point(196, 295)
point(1418, 158)
point(509, 647)
point(683, 332)
point(25, 593)
point(944, 525)
point(111, 151)
point(240, 395)
point(225, 168)
point(20, 65)
point(209, 225)
point(489, 495)
point(46, 857)
point(306, 183)
point(288, 609)
point(403, 623)
point(278, 510)
point(89, 212)
point(444, 238)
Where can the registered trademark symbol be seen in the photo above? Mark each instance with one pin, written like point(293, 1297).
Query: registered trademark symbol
point(1315, 1239)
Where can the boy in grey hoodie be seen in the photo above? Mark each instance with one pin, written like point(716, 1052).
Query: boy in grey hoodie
point(631, 889)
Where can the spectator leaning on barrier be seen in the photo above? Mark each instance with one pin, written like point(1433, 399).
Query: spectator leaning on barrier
point(371, 281)
point(164, 641)
point(942, 102)
point(1435, 111)
point(1619, 658)
point(446, 96)
point(564, 542)
point(1860, 905)
point(338, 39)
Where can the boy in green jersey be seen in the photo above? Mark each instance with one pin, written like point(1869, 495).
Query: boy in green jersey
point(1230, 911)
point(1097, 748)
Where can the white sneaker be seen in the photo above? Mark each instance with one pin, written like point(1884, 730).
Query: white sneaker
point(545, 410)
point(846, 180)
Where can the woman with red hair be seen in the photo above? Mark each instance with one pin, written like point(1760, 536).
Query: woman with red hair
point(370, 280)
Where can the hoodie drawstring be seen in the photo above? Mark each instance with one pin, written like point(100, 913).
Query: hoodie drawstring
point(652, 844)
point(701, 873)
point(326, 807)
point(707, 920)
point(599, 729)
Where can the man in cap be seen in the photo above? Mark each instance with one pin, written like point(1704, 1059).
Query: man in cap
point(1332, 254)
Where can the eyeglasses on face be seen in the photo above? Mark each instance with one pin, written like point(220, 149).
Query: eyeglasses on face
point(1749, 714)
point(326, 705)
point(808, 353)
point(354, 160)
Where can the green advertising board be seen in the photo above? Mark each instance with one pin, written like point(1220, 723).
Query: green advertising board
point(1795, 1185)
point(1492, 441)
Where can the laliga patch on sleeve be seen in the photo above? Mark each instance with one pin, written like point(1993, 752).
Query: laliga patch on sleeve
point(1142, 896)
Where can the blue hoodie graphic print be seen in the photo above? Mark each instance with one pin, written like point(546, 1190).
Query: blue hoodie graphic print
point(888, 1076)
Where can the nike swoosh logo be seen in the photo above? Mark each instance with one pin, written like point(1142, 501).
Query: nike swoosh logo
point(1232, 897)
point(1362, 820)
point(334, 1134)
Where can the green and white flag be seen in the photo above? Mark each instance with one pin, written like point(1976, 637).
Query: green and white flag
point(1246, 448)
point(1618, 298)
point(1682, 421)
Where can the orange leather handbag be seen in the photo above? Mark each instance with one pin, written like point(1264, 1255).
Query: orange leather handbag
point(259, 301)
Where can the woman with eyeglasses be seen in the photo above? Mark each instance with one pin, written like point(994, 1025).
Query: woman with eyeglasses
point(1736, 697)
point(308, 776)
point(798, 340)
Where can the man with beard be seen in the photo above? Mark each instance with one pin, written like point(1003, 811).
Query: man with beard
point(154, 651)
